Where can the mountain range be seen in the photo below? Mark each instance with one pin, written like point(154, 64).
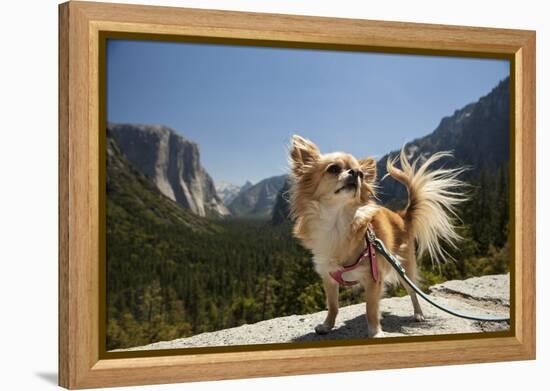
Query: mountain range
point(258, 200)
point(229, 191)
point(477, 134)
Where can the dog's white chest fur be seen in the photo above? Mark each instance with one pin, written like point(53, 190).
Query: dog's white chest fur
point(332, 237)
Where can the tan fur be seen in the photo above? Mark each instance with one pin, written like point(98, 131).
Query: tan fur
point(332, 222)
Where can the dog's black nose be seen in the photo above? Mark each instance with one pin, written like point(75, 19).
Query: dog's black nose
point(352, 176)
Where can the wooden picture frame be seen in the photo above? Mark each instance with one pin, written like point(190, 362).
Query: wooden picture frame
point(81, 25)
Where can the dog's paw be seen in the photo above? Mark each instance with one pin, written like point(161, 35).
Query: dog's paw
point(358, 225)
point(375, 333)
point(378, 334)
point(419, 318)
point(322, 329)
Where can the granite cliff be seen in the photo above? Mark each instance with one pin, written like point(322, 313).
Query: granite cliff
point(172, 163)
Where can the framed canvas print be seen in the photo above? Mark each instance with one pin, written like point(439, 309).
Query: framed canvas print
point(247, 195)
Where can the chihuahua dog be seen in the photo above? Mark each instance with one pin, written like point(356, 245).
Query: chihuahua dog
point(333, 201)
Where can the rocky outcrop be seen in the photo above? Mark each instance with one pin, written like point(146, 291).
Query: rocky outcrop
point(172, 163)
point(488, 295)
point(258, 200)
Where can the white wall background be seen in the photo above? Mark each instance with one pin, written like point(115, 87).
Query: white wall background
point(28, 195)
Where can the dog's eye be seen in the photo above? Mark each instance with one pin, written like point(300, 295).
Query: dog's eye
point(334, 169)
point(360, 174)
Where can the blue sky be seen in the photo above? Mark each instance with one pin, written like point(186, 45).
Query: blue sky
point(242, 104)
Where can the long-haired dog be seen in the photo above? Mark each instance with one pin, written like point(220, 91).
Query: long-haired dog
point(333, 200)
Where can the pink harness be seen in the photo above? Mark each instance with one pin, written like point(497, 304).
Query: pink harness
point(367, 252)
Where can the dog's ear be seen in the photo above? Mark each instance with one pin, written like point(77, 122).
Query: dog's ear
point(368, 166)
point(303, 154)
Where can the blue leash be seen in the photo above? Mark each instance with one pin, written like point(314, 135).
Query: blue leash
point(394, 262)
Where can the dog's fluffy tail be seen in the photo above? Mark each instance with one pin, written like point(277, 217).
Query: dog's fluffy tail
point(433, 197)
